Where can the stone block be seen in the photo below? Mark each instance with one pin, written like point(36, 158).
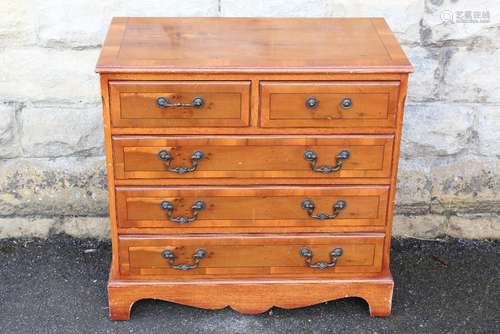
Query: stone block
point(77, 23)
point(436, 129)
point(488, 130)
point(54, 131)
point(422, 227)
point(36, 74)
point(413, 195)
point(471, 75)
point(18, 25)
point(423, 82)
point(53, 187)
point(474, 227)
point(9, 134)
point(21, 227)
point(277, 8)
point(466, 184)
point(85, 227)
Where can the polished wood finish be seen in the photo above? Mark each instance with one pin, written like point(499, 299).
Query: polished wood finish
point(321, 45)
point(253, 128)
point(251, 209)
point(232, 256)
point(283, 104)
point(134, 104)
point(253, 157)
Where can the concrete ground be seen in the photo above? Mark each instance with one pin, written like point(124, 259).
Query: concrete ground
point(58, 286)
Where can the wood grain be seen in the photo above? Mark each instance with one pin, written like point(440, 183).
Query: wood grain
point(374, 104)
point(254, 74)
point(250, 45)
point(252, 157)
point(259, 208)
point(237, 255)
point(134, 104)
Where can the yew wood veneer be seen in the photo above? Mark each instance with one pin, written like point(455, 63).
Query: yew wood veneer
point(251, 162)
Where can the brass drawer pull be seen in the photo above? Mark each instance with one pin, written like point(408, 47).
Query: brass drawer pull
point(195, 209)
point(312, 102)
point(346, 103)
point(312, 157)
point(309, 206)
point(167, 157)
point(162, 102)
point(199, 254)
point(308, 254)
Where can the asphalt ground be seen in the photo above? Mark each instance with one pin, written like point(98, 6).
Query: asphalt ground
point(59, 286)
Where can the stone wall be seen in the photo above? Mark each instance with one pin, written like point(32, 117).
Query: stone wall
point(52, 175)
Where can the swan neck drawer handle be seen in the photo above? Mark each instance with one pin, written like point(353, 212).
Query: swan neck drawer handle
point(309, 206)
point(308, 254)
point(195, 209)
point(167, 157)
point(199, 254)
point(312, 157)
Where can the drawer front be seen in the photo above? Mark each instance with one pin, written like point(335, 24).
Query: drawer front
point(157, 104)
point(313, 209)
point(329, 157)
point(249, 255)
point(329, 104)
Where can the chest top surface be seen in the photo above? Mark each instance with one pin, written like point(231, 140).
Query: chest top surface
point(252, 45)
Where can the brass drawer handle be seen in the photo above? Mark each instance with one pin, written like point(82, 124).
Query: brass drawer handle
point(167, 157)
point(199, 254)
point(312, 157)
point(308, 254)
point(346, 103)
point(309, 206)
point(312, 102)
point(198, 103)
point(195, 209)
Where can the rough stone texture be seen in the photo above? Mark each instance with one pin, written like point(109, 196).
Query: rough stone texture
point(277, 8)
point(51, 155)
point(473, 226)
point(53, 187)
point(414, 187)
point(20, 227)
point(436, 129)
point(85, 227)
point(446, 21)
point(57, 131)
point(488, 130)
point(423, 83)
point(37, 74)
point(470, 75)
point(80, 24)
point(423, 227)
point(9, 136)
point(468, 184)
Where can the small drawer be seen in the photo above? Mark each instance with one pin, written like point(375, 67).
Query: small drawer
point(255, 209)
point(304, 157)
point(327, 104)
point(313, 255)
point(160, 104)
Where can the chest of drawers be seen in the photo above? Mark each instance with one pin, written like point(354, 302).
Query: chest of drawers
point(251, 162)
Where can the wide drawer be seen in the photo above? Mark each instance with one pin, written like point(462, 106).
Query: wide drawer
point(156, 257)
point(308, 157)
point(255, 209)
point(329, 104)
point(157, 104)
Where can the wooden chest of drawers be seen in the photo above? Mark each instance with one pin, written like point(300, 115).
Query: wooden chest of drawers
point(251, 162)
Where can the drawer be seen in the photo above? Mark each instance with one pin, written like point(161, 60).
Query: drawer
point(158, 104)
point(309, 157)
point(250, 255)
point(328, 104)
point(206, 209)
